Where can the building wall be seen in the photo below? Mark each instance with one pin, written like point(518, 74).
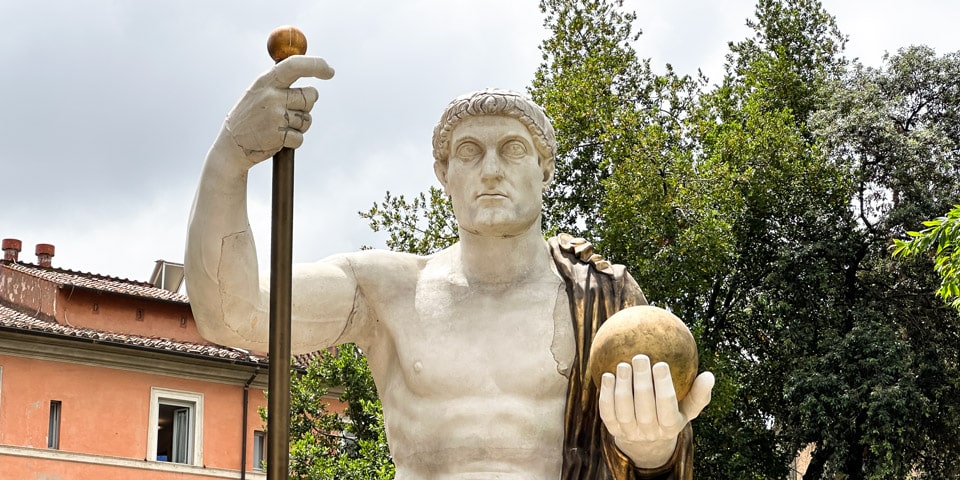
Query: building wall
point(74, 467)
point(105, 413)
point(105, 389)
point(128, 315)
point(108, 312)
point(29, 293)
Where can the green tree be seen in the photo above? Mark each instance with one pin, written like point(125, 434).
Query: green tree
point(421, 226)
point(826, 332)
point(762, 212)
point(626, 179)
point(786, 206)
point(941, 237)
point(895, 129)
point(589, 68)
point(696, 192)
point(796, 46)
point(327, 445)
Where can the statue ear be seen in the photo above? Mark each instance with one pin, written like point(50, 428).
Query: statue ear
point(440, 169)
point(548, 168)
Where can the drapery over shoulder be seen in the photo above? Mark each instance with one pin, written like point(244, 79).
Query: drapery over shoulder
point(596, 290)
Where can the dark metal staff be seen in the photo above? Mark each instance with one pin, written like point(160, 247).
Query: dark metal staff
point(283, 42)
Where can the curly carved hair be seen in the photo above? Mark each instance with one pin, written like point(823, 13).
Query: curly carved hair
point(495, 102)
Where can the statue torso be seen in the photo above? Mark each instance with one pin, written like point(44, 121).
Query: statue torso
point(472, 376)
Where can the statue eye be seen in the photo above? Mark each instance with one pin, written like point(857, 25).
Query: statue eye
point(514, 149)
point(468, 151)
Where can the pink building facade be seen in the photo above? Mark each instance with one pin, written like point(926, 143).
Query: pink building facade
point(108, 378)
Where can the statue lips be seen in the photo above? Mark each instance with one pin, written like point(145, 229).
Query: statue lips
point(492, 195)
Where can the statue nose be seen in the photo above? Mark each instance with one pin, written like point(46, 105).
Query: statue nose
point(491, 168)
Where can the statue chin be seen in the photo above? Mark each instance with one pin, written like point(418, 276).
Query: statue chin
point(499, 224)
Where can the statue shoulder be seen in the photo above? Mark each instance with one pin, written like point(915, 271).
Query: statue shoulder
point(579, 264)
point(382, 265)
point(581, 251)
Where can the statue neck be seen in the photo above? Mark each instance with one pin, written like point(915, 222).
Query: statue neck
point(491, 259)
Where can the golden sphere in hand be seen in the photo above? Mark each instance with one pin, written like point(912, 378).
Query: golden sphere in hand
point(286, 41)
point(651, 331)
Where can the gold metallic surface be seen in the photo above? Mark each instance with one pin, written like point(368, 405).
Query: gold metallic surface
point(286, 41)
point(596, 292)
point(649, 330)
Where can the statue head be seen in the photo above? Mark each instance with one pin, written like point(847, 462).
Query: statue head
point(503, 146)
point(495, 102)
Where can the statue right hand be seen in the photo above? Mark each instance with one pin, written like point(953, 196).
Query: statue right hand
point(271, 115)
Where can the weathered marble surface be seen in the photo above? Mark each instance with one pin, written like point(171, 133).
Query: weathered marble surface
point(470, 347)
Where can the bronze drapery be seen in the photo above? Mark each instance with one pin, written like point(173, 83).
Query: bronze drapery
point(596, 290)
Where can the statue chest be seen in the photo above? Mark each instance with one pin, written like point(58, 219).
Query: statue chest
point(460, 340)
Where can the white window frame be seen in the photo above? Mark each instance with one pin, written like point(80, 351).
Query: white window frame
point(176, 397)
point(53, 424)
point(259, 451)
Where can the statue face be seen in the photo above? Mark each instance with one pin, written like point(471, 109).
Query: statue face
point(494, 177)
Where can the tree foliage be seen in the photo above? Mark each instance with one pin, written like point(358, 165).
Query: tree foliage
point(895, 129)
point(941, 238)
point(588, 65)
point(630, 135)
point(329, 445)
point(422, 226)
point(762, 210)
point(785, 203)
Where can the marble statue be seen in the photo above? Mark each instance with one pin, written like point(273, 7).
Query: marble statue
point(477, 350)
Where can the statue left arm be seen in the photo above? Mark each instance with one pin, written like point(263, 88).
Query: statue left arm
point(639, 408)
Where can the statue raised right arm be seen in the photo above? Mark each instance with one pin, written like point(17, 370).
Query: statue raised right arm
point(228, 297)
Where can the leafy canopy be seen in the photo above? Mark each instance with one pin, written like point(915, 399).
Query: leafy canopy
point(941, 238)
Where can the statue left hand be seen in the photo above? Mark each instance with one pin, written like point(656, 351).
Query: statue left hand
point(639, 408)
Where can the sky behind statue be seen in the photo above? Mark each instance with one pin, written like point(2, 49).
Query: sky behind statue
point(109, 105)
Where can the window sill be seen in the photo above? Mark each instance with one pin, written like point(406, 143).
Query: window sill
point(125, 463)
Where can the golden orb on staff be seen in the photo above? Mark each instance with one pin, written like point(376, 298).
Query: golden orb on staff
point(286, 41)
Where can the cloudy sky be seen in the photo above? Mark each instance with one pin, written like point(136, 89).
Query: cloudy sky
point(107, 107)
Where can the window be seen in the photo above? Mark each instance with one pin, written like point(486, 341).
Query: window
point(176, 427)
point(53, 428)
point(259, 450)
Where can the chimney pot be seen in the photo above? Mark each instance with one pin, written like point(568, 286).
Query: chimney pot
point(45, 253)
point(11, 249)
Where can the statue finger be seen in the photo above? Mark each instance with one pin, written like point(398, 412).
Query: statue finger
point(292, 138)
point(700, 394)
point(668, 411)
point(607, 413)
point(623, 400)
point(283, 74)
point(301, 99)
point(644, 400)
point(299, 121)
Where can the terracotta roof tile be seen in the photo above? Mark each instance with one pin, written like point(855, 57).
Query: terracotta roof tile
point(12, 319)
point(93, 281)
